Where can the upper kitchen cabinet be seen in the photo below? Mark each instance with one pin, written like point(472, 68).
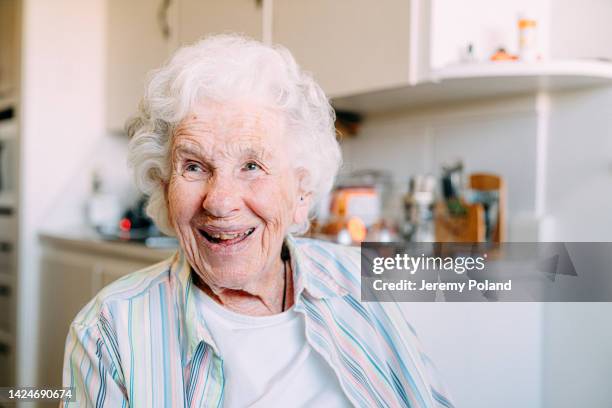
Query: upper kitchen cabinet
point(196, 18)
point(143, 33)
point(350, 46)
point(139, 39)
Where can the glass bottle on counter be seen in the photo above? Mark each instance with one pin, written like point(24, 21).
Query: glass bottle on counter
point(419, 203)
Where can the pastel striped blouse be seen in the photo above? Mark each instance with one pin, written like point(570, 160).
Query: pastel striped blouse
point(142, 342)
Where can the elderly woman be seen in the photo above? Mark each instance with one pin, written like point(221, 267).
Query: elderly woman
point(234, 145)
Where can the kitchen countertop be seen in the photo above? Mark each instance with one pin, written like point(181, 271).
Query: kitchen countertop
point(87, 240)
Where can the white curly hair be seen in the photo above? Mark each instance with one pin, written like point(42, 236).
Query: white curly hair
point(231, 67)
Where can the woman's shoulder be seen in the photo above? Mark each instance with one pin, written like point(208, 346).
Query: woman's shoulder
point(340, 263)
point(120, 292)
point(346, 256)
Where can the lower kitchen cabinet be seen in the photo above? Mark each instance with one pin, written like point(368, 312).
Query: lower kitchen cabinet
point(72, 272)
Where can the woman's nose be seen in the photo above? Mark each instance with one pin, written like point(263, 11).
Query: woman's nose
point(222, 198)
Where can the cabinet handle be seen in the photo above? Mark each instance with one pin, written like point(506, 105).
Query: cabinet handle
point(5, 290)
point(5, 247)
point(162, 18)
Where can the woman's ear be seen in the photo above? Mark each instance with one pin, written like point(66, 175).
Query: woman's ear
point(304, 198)
point(302, 208)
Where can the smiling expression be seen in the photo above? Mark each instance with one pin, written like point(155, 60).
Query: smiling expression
point(233, 194)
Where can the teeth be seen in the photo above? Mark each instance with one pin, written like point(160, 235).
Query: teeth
point(230, 236)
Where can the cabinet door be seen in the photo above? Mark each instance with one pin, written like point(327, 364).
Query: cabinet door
point(66, 286)
point(137, 43)
point(350, 46)
point(196, 18)
point(69, 280)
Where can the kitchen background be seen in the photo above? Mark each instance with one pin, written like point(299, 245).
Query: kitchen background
point(417, 94)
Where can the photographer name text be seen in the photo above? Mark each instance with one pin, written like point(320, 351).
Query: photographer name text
point(424, 285)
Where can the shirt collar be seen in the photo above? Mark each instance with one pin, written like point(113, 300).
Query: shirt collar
point(311, 276)
point(193, 327)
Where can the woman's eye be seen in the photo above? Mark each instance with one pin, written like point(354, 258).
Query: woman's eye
point(252, 166)
point(192, 167)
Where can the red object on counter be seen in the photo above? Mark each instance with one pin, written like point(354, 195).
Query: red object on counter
point(125, 224)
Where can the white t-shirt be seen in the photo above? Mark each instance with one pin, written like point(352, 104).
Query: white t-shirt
point(267, 361)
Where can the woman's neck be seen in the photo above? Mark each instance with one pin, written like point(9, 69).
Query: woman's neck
point(268, 298)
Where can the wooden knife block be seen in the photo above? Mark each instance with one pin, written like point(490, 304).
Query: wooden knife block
point(459, 228)
point(471, 227)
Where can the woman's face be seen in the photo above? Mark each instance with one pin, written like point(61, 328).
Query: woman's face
point(233, 193)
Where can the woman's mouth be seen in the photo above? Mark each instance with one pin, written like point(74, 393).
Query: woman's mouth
point(225, 238)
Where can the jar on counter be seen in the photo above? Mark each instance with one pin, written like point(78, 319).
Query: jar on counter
point(528, 49)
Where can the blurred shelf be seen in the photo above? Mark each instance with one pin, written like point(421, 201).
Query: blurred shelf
point(567, 71)
point(461, 83)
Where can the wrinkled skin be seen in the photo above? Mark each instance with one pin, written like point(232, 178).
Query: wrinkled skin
point(232, 195)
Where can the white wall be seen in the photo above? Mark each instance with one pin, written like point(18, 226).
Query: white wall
point(577, 352)
point(577, 347)
point(62, 117)
point(581, 29)
point(579, 169)
point(107, 157)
